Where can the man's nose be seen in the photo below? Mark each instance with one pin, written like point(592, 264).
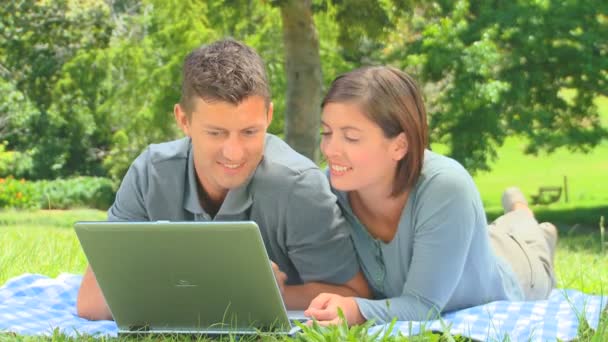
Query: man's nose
point(233, 149)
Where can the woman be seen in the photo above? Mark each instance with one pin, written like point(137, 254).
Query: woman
point(419, 226)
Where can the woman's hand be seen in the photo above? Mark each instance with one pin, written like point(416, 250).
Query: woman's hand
point(324, 308)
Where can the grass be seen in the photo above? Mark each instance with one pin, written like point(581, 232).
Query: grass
point(41, 242)
point(44, 242)
point(582, 171)
point(579, 262)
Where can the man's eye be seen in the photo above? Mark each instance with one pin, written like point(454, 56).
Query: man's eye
point(251, 132)
point(213, 133)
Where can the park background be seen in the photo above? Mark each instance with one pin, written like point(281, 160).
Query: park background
point(516, 91)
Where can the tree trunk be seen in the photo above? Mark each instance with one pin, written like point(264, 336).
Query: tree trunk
point(304, 81)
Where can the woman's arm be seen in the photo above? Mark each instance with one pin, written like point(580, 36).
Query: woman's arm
point(446, 212)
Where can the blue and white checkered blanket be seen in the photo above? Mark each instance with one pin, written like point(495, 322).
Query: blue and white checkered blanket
point(37, 305)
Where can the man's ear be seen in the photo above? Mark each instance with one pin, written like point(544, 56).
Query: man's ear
point(269, 114)
point(182, 119)
point(399, 147)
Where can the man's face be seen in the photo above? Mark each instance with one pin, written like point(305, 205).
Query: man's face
point(227, 141)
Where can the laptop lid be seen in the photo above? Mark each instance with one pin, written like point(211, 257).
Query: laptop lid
point(167, 277)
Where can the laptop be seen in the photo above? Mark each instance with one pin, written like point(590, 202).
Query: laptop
point(207, 278)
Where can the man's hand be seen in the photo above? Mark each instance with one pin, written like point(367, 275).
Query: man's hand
point(280, 276)
point(324, 308)
point(90, 303)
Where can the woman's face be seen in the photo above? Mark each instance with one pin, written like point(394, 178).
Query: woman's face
point(358, 154)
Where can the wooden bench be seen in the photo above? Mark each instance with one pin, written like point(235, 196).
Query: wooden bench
point(547, 194)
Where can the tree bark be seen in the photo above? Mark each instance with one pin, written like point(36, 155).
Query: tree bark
point(304, 80)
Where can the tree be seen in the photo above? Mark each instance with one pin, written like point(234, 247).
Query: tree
point(355, 19)
point(496, 68)
point(505, 68)
point(101, 77)
point(15, 111)
point(37, 39)
point(304, 80)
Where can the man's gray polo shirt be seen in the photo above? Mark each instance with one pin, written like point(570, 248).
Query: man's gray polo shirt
point(287, 196)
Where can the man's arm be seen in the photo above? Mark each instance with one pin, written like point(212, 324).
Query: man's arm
point(298, 297)
point(128, 206)
point(319, 244)
point(90, 303)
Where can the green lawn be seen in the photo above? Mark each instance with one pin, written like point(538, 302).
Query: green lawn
point(41, 242)
point(585, 173)
point(44, 242)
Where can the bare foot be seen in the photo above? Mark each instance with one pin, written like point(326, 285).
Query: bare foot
point(522, 206)
point(514, 199)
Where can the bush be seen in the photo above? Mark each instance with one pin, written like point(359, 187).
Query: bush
point(17, 194)
point(89, 192)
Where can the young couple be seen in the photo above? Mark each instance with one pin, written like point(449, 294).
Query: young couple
point(392, 229)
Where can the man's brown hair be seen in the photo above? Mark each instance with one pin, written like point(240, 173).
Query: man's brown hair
point(226, 70)
point(391, 99)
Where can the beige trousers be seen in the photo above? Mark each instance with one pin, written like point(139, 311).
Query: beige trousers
point(529, 248)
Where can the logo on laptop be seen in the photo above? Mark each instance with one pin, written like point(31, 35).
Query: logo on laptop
point(184, 283)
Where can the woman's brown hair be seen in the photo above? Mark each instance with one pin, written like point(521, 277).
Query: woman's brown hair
point(390, 98)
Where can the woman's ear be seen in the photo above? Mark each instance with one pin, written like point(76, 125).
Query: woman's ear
point(399, 147)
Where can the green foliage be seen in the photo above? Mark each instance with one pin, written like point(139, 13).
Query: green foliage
point(79, 192)
point(332, 60)
point(16, 110)
point(363, 26)
point(78, 134)
point(86, 85)
point(17, 194)
point(83, 192)
point(39, 38)
point(14, 163)
point(499, 69)
point(144, 73)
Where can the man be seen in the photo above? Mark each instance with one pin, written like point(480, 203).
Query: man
point(228, 168)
